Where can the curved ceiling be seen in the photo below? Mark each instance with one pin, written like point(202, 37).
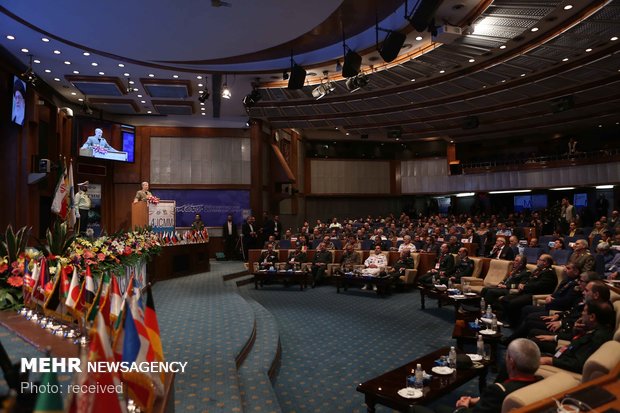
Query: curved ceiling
point(515, 60)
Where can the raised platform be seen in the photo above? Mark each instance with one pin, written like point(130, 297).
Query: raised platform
point(178, 261)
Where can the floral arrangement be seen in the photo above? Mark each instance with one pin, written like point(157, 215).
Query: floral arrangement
point(107, 253)
point(152, 199)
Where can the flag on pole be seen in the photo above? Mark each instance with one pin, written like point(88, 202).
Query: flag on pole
point(60, 204)
point(47, 401)
point(71, 201)
point(115, 299)
point(156, 351)
point(74, 290)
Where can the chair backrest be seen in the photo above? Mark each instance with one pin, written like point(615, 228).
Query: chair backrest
point(617, 309)
point(366, 244)
point(315, 243)
point(559, 273)
point(560, 257)
point(285, 244)
point(602, 361)
point(337, 244)
point(557, 383)
point(416, 259)
point(532, 254)
point(477, 266)
point(497, 272)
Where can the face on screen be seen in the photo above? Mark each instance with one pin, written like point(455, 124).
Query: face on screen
point(19, 101)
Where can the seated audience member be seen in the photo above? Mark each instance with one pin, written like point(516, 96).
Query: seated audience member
point(405, 262)
point(521, 363)
point(328, 243)
point(322, 257)
point(296, 258)
point(302, 241)
point(335, 224)
point(561, 323)
point(444, 268)
point(558, 244)
point(471, 237)
point(604, 256)
point(377, 242)
point(430, 245)
point(268, 258)
point(595, 328)
point(598, 229)
point(542, 281)
point(612, 267)
point(518, 275)
point(614, 221)
point(407, 244)
point(454, 244)
point(350, 258)
point(463, 267)
point(272, 240)
point(352, 240)
point(375, 262)
point(501, 251)
point(513, 243)
point(502, 230)
point(288, 235)
point(581, 256)
point(533, 243)
point(573, 231)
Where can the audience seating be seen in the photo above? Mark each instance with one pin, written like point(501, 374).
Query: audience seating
point(532, 254)
point(601, 362)
point(547, 387)
point(285, 244)
point(498, 269)
point(539, 299)
point(560, 257)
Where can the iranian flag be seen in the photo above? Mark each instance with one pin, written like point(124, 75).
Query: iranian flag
point(61, 202)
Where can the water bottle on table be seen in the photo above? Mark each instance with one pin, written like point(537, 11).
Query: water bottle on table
point(419, 377)
point(452, 358)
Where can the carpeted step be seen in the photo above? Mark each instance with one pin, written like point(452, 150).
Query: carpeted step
point(245, 281)
point(261, 364)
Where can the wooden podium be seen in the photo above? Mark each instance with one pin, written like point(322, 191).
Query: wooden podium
point(139, 214)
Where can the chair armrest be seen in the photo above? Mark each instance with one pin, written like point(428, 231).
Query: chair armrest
point(331, 268)
point(409, 277)
point(539, 299)
point(472, 280)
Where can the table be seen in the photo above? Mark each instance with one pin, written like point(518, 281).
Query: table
point(178, 261)
point(384, 284)
point(295, 277)
point(383, 389)
point(463, 333)
point(443, 297)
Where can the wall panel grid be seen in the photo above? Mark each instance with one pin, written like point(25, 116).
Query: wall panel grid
point(431, 176)
point(200, 161)
point(349, 177)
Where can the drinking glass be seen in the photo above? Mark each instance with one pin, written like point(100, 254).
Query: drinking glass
point(487, 352)
point(410, 385)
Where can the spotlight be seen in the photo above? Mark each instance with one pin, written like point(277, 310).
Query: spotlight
point(355, 83)
point(252, 98)
point(248, 123)
point(285, 76)
point(29, 75)
point(204, 96)
point(225, 91)
point(325, 88)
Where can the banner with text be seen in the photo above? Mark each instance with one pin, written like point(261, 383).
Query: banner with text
point(162, 216)
point(212, 205)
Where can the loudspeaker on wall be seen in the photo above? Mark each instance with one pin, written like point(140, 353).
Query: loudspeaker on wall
point(391, 46)
point(297, 77)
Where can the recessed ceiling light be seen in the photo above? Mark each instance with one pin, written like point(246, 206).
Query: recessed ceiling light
point(502, 46)
point(135, 89)
point(522, 74)
point(503, 80)
point(588, 50)
point(565, 59)
point(139, 96)
point(131, 82)
point(95, 64)
point(568, 7)
point(203, 109)
point(600, 126)
point(86, 54)
point(198, 77)
point(200, 85)
point(81, 99)
point(76, 72)
point(203, 114)
point(151, 75)
point(45, 39)
point(534, 29)
point(56, 51)
point(472, 60)
point(10, 37)
point(73, 93)
point(413, 80)
point(442, 71)
point(56, 79)
point(175, 76)
point(125, 74)
point(25, 50)
point(613, 39)
point(202, 103)
point(347, 133)
point(101, 73)
point(67, 62)
point(418, 38)
point(148, 111)
point(37, 61)
point(121, 65)
point(143, 101)
point(47, 71)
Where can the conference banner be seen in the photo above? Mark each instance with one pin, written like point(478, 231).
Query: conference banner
point(213, 205)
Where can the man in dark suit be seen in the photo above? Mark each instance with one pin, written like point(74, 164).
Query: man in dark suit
point(250, 232)
point(596, 328)
point(501, 250)
point(542, 281)
point(268, 258)
point(272, 227)
point(230, 235)
point(322, 257)
point(444, 268)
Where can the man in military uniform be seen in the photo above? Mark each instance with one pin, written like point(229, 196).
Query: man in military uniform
point(322, 257)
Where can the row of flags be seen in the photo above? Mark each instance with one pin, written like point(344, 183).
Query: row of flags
point(124, 328)
point(189, 236)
